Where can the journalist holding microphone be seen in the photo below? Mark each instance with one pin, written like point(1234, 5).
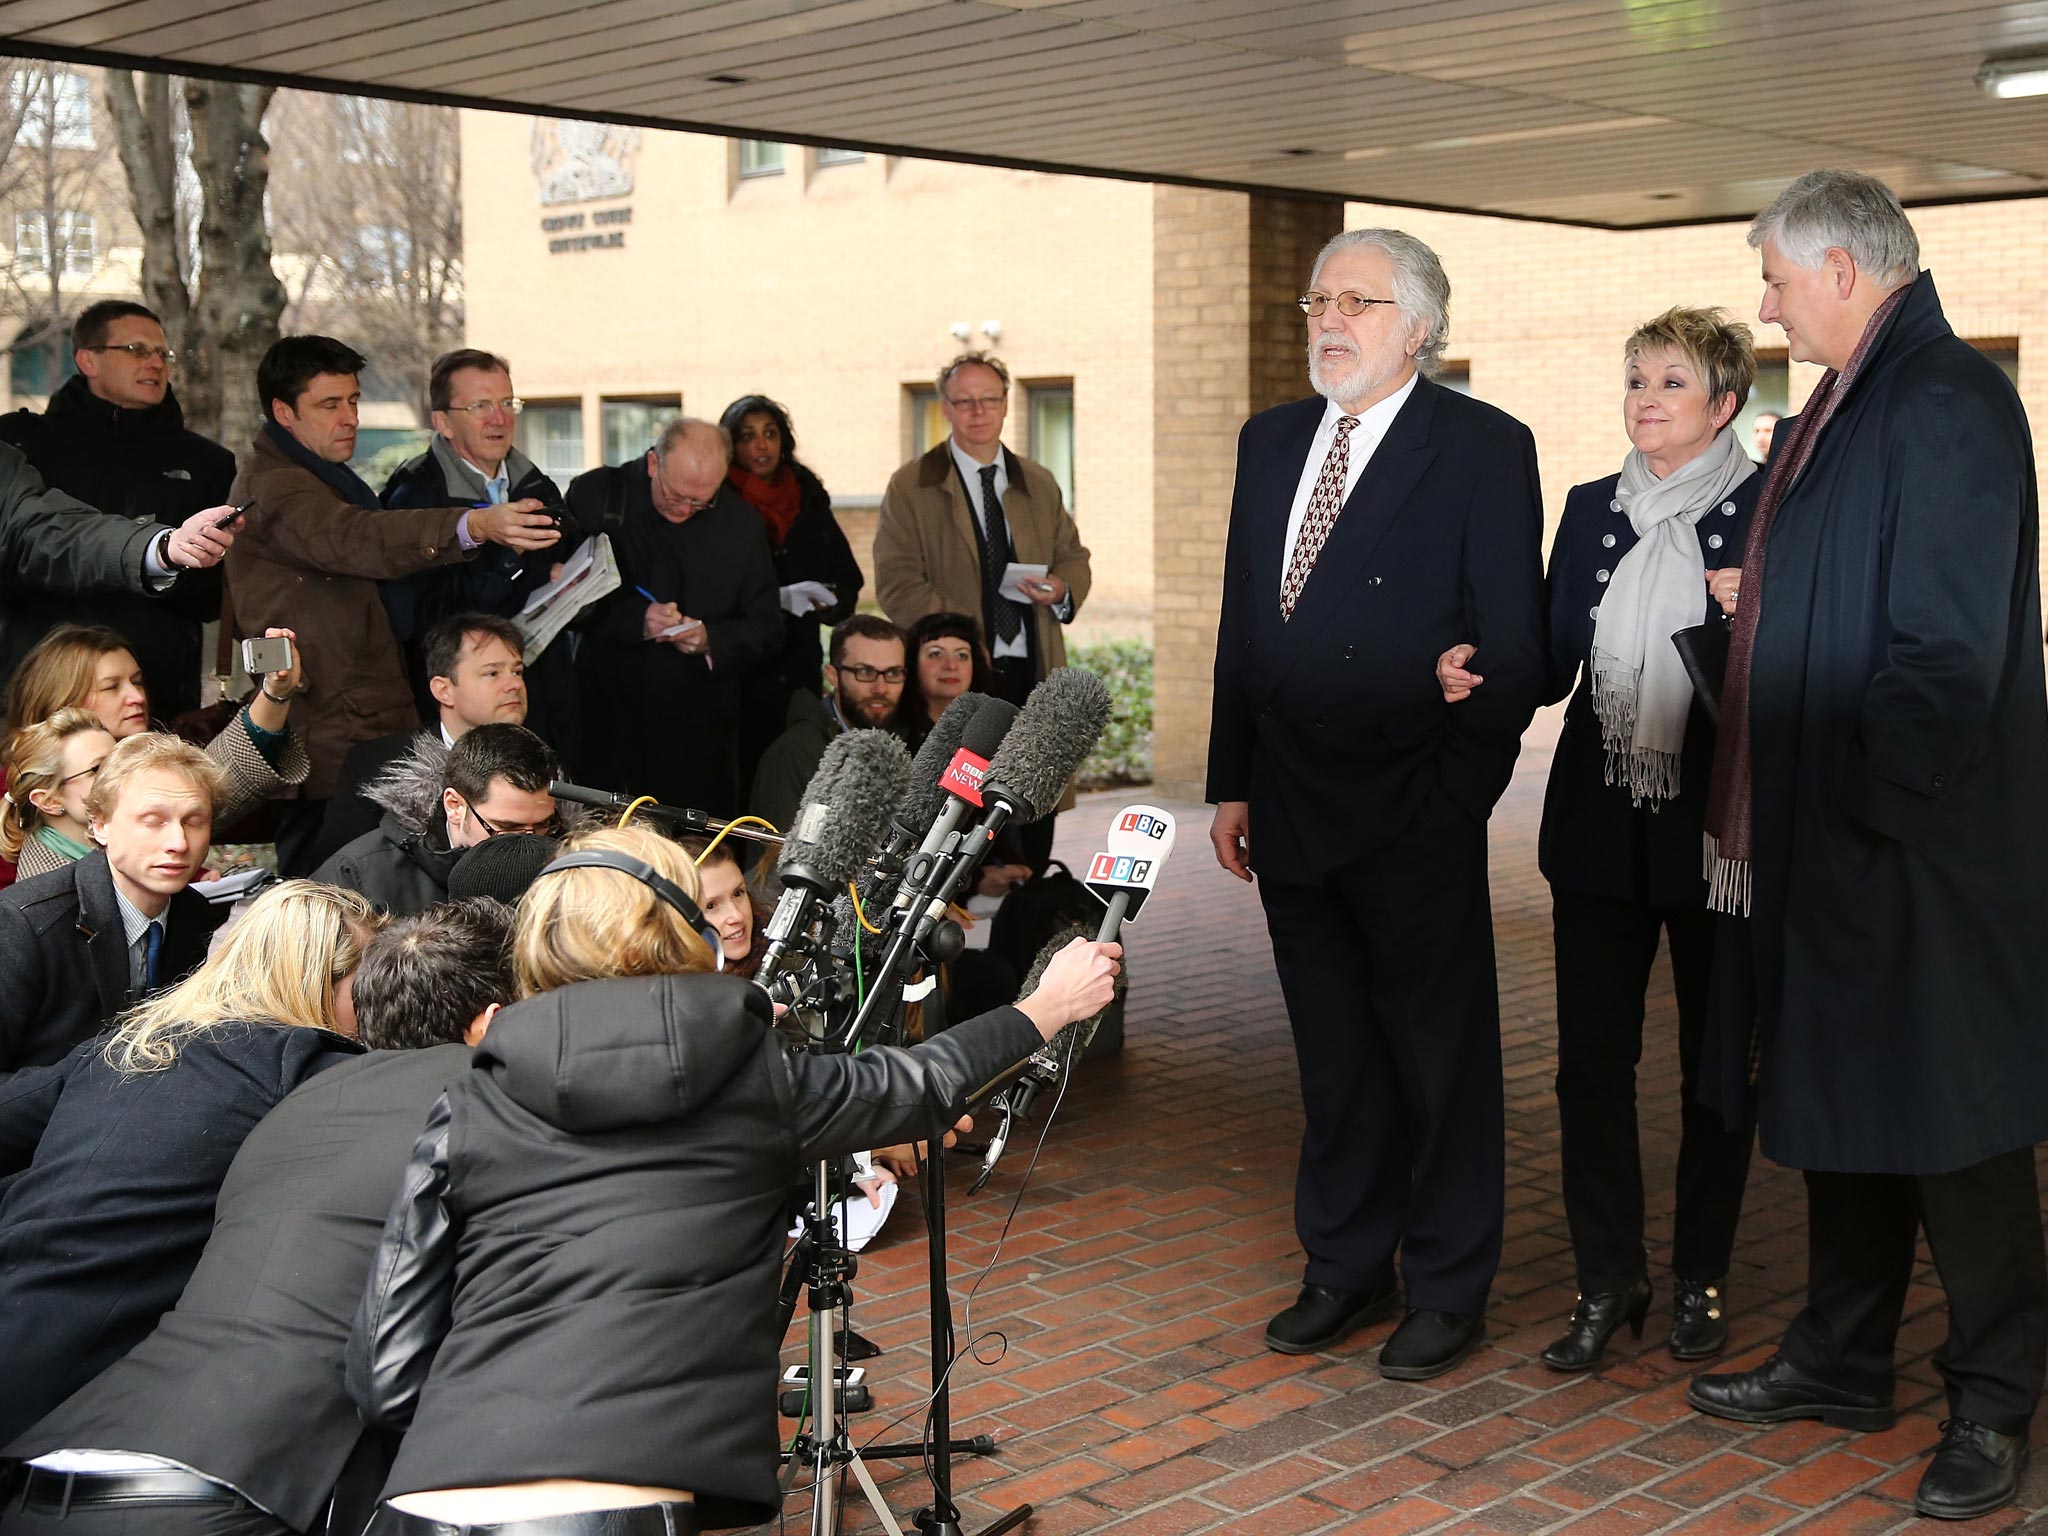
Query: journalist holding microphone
point(574, 1304)
point(1637, 557)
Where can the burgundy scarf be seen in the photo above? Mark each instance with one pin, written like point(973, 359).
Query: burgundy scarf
point(777, 499)
point(1728, 839)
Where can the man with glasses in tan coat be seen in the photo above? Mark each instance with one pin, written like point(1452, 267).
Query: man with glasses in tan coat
point(954, 519)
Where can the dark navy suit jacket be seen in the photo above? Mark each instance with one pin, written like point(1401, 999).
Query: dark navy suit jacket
point(1331, 723)
point(1594, 842)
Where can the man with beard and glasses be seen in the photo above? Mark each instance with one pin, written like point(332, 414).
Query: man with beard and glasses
point(1370, 529)
point(865, 674)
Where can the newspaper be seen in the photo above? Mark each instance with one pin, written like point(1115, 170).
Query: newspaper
point(589, 574)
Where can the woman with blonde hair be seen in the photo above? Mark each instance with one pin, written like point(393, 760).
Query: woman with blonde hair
point(49, 768)
point(572, 1314)
point(118, 1150)
point(1638, 556)
point(83, 666)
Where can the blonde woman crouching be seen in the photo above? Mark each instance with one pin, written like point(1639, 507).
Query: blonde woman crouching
point(573, 1311)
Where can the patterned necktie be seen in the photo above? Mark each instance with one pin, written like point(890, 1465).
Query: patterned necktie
point(995, 559)
point(152, 955)
point(1324, 503)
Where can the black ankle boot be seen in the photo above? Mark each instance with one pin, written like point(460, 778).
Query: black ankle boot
point(1593, 1323)
point(1699, 1328)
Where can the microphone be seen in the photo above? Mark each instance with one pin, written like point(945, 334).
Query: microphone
point(955, 790)
point(1053, 734)
point(683, 818)
point(1122, 876)
point(838, 822)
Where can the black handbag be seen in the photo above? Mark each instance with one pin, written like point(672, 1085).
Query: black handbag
point(1704, 650)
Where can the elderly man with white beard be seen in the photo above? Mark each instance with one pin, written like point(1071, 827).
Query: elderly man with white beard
point(1373, 526)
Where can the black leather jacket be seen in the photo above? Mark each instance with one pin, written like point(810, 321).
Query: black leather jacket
point(583, 1252)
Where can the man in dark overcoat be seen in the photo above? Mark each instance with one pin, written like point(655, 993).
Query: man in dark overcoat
point(1880, 801)
point(1373, 526)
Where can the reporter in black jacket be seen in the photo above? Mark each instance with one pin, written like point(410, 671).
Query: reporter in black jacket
point(574, 1305)
point(121, 1147)
point(1635, 559)
point(75, 942)
point(241, 1381)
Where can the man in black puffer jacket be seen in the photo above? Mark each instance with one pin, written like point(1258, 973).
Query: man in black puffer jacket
point(114, 437)
point(439, 802)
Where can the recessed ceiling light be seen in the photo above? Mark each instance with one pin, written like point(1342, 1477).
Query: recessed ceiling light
point(1297, 154)
point(728, 79)
point(2006, 79)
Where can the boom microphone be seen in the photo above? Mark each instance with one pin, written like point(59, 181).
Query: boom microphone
point(843, 813)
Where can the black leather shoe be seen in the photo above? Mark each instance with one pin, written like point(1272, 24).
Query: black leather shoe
point(1321, 1317)
point(1776, 1391)
point(1429, 1343)
point(1975, 1470)
point(1593, 1323)
point(1698, 1330)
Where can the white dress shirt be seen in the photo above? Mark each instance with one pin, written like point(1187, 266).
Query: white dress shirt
point(1365, 441)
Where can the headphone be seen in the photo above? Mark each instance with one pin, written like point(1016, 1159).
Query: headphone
point(663, 887)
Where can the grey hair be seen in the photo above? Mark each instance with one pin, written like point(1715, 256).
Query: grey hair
point(1845, 209)
point(677, 428)
point(1421, 289)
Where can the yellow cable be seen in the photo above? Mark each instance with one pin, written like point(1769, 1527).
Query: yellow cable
point(854, 891)
point(627, 815)
point(739, 821)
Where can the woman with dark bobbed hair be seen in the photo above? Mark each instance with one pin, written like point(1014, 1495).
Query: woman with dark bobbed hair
point(946, 657)
point(572, 1314)
point(810, 552)
point(1639, 556)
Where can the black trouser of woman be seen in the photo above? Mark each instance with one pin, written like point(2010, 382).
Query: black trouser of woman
point(1605, 949)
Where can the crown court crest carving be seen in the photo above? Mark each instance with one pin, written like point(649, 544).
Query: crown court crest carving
point(578, 162)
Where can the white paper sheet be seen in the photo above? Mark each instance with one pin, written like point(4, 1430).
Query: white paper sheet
point(1014, 577)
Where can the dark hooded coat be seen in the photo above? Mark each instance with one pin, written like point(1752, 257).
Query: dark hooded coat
point(1900, 767)
point(403, 864)
point(590, 1231)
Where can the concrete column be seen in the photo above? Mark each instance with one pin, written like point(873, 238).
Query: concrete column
point(1226, 342)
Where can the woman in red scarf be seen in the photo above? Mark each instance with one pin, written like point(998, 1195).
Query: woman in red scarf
point(814, 566)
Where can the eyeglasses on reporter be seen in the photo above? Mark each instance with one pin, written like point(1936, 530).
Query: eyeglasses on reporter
point(141, 351)
point(479, 408)
point(1348, 302)
point(864, 674)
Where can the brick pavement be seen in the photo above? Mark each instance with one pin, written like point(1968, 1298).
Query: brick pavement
point(1133, 1393)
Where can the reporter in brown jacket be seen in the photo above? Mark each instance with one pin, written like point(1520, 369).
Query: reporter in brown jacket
point(315, 544)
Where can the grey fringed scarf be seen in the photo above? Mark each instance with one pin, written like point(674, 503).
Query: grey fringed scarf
point(1640, 690)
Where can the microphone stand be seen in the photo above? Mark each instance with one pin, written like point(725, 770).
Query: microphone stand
point(942, 1516)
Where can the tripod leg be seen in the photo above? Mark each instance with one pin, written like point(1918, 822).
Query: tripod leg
point(874, 1493)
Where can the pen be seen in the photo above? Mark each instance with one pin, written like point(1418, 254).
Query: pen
point(647, 594)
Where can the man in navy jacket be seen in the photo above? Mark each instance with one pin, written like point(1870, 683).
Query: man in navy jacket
point(1371, 528)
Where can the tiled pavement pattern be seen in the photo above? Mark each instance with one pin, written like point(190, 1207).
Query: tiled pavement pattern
point(1155, 1239)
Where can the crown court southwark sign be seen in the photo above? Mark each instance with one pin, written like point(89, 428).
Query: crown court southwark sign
point(577, 162)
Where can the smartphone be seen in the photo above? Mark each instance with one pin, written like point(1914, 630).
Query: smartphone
point(262, 657)
point(232, 516)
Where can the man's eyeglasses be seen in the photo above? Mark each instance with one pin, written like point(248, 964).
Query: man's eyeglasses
point(552, 827)
point(1347, 302)
point(978, 402)
point(141, 351)
point(481, 408)
point(875, 674)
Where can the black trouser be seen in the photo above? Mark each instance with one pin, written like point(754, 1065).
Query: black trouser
point(636, 1520)
point(1605, 949)
point(145, 1519)
point(1387, 968)
point(1016, 676)
point(1983, 1226)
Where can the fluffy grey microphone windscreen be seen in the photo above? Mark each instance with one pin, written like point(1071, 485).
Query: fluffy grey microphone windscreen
point(920, 802)
point(1055, 1050)
point(1055, 731)
point(845, 808)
